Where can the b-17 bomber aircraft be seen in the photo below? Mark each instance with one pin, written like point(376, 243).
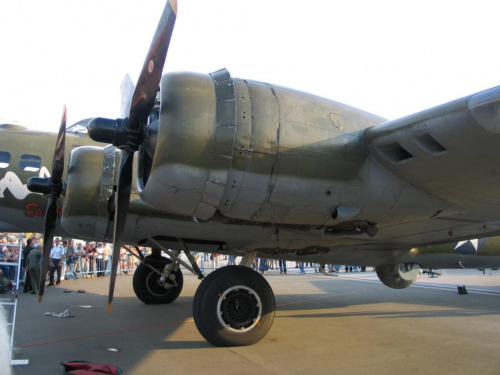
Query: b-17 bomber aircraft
point(213, 163)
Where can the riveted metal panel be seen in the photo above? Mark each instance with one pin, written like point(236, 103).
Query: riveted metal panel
point(257, 117)
point(220, 166)
point(265, 118)
point(212, 193)
point(240, 154)
point(224, 140)
point(226, 112)
point(253, 187)
point(204, 211)
point(243, 116)
point(220, 75)
point(224, 89)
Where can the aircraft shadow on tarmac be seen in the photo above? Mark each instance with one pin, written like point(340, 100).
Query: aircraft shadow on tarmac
point(134, 329)
point(158, 322)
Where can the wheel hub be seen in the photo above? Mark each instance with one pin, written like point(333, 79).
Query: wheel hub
point(239, 309)
point(155, 287)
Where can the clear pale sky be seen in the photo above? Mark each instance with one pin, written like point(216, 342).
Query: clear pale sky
point(392, 58)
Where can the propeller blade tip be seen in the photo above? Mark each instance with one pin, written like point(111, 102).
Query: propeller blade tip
point(173, 5)
point(40, 298)
point(109, 307)
point(64, 116)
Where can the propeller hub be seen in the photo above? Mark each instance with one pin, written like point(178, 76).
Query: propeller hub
point(117, 132)
point(108, 131)
point(39, 185)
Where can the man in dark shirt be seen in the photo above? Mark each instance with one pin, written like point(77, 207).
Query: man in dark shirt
point(33, 263)
point(31, 244)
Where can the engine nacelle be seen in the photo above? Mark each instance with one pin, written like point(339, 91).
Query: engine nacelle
point(90, 181)
point(398, 276)
point(252, 151)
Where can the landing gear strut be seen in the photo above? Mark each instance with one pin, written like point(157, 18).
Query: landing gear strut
point(234, 306)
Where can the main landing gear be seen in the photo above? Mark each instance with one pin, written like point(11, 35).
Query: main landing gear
point(233, 306)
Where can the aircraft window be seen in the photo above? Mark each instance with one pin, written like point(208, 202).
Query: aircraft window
point(30, 163)
point(4, 159)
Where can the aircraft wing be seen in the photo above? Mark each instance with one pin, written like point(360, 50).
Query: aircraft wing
point(450, 151)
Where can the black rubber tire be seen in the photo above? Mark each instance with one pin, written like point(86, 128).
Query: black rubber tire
point(397, 276)
point(148, 290)
point(243, 316)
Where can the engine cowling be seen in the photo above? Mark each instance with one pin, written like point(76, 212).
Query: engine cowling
point(251, 151)
point(89, 187)
point(398, 276)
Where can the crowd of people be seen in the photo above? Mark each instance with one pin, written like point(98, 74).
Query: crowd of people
point(9, 253)
point(68, 259)
point(263, 265)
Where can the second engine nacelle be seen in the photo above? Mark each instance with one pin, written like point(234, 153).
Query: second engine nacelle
point(398, 276)
point(89, 186)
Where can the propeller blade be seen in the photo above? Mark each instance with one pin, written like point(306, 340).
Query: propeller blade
point(127, 134)
point(122, 202)
point(55, 192)
point(58, 162)
point(149, 79)
point(48, 236)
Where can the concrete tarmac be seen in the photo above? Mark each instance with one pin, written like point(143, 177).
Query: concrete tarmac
point(348, 323)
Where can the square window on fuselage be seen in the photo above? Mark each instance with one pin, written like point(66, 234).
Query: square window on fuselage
point(30, 163)
point(4, 159)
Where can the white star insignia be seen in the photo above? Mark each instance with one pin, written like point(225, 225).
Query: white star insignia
point(474, 242)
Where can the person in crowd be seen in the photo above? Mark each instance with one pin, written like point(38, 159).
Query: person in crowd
point(85, 259)
point(9, 256)
point(3, 248)
point(131, 262)
point(282, 265)
point(5, 283)
point(216, 258)
point(105, 259)
point(123, 261)
point(263, 267)
point(100, 260)
point(90, 251)
point(26, 249)
point(80, 253)
point(70, 256)
point(76, 262)
point(94, 259)
point(14, 258)
point(33, 267)
point(273, 263)
point(56, 258)
point(31, 244)
point(64, 260)
point(22, 270)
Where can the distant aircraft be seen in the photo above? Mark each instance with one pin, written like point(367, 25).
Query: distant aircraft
point(232, 166)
